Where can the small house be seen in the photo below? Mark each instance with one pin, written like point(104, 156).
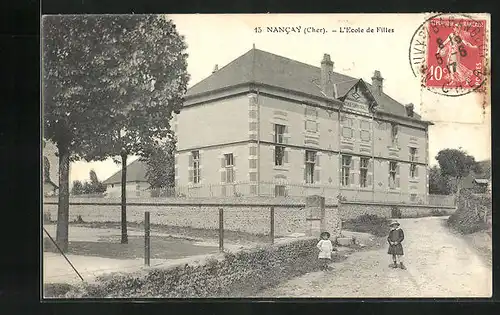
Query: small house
point(136, 182)
point(476, 185)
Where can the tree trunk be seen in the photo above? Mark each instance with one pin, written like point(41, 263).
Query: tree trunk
point(124, 199)
point(63, 204)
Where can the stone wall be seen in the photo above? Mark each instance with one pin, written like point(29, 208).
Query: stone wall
point(245, 214)
point(231, 275)
point(352, 210)
point(251, 215)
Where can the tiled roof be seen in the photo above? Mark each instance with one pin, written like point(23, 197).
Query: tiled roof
point(136, 172)
point(257, 66)
point(482, 181)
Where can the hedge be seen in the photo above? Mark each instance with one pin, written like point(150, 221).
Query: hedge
point(465, 219)
point(368, 223)
point(234, 275)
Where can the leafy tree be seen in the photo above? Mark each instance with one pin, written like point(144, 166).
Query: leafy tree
point(456, 164)
point(96, 185)
point(88, 188)
point(84, 90)
point(439, 184)
point(110, 86)
point(156, 80)
point(77, 188)
point(160, 165)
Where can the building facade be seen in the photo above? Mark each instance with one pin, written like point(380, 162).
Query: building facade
point(265, 125)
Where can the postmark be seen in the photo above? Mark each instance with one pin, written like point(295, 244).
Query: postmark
point(448, 52)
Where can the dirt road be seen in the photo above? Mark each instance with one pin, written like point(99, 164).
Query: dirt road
point(440, 264)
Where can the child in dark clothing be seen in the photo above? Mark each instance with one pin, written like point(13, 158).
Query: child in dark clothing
point(396, 236)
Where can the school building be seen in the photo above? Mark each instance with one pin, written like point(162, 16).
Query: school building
point(266, 125)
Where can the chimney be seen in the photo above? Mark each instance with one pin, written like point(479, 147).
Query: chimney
point(377, 82)
point(326, 76)
point(409, 110)
point(216, 68)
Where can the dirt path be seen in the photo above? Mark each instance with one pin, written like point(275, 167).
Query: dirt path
point(440, 264)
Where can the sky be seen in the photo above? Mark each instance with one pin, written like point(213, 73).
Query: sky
point(459, 122)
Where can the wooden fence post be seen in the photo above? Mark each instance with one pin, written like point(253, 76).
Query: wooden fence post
point(147, 239)
point(221, 230)
point(271, 233)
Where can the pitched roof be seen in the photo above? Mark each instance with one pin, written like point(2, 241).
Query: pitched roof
point(257, 66)
point(136, 172)
point(471, 179)
point(482, 181)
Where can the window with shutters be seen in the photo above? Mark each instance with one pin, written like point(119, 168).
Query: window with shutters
point(310, 163)
point(196, 166)
point(229, 164)
point(413, 165)
point(413, 170)
point(346, 169)
point(392, 174)
point(394, 134)
point(363, 171)
point(279, 153)
point(279, 150)
point(279, 133)
point(279, 191)
point(347, 127)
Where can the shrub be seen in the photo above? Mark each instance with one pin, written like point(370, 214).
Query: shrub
point(155, 192)
point(396, 212)
point(237, 274)
point(466, 222)
point(56, 289)
point(78, 219)
point(367, 223)
point(469, 217)
point(439, 213)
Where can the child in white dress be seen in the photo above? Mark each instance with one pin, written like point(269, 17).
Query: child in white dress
point(326, 248)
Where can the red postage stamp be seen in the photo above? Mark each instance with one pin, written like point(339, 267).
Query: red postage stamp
point(455, 53)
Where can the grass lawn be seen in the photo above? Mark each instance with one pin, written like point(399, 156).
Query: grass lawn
point(204, 234)
point(162, 247)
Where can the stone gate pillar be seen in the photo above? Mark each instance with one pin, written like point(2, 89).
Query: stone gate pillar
point(315, 215)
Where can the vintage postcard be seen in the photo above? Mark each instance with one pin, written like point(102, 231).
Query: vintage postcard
point(266, 156)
